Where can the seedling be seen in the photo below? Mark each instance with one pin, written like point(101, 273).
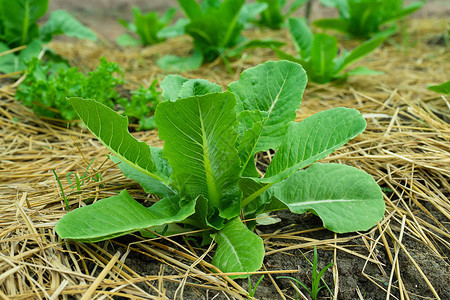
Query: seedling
point(363, 18)
point(146, 26)
point(252, 290)
point(79, 182)
point(316, 277)
point(206, 175)
point(318, 54)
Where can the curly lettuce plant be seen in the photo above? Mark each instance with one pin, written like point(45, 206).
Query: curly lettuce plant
point(318, 53)
point(205, 174)
point(363, 18)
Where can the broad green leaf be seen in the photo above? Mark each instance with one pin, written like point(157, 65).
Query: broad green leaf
point(251, 124)
point(345, 198)
point(120, 215)
point(175, 63)
point(206, 216)
point(336, 24)
point(238, 249)
point(295, 5)
point(250, 10)
point(412, 7)
point(19, 20)
point(176, 86)
point(191, 8)
point(285, 56)
point(200, 137)
point(361, 70)
point(302, 36)
point(61, 22)
point(443, 88)
point(324, 50)
point(12, 62)
point(246, 149)
point(149, 184)
point(313, 139)
point(361, 51)
point(198, 87)
point(175, 30)
point(275, 88)
point(249, 44)
point(112, 130)
point(254, 195)
point(126, 40)
point(171, 86)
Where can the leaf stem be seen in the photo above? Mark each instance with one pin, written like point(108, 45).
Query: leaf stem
point(253, 196)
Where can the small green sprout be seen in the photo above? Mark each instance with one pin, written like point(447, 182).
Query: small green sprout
point(316, 277)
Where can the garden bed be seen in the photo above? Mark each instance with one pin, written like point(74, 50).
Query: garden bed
point(405, 148)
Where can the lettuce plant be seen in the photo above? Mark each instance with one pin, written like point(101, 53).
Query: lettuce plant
point(318, 53)
point(362, 18)
point(18, 26)
point(273, 16)
point(205, 174)
point(216, 28)
point(146, 26)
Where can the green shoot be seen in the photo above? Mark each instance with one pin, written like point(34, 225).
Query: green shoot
point(66, 201)
point(252, 290)
point(316, 277)
point(79, 182)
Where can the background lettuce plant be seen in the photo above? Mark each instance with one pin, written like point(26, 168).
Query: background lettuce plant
point(363, 18)
point(273, 16)
point(318, 53)
point(206, 176)
point(18, 26)
point(216, 28)
point(146, 26)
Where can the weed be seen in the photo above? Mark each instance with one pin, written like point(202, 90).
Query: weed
point(316, 277)
point(252, 290)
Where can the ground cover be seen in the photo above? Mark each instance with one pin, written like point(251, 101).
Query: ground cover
point(405, 148)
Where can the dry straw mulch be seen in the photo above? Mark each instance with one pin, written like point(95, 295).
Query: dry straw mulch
point(405, 148)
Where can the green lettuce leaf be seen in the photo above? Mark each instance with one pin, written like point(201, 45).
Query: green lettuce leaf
point(61, 22)
point(345, 198)
point(119, 215)
point(200, 137)
point(238, 249)
point(112, 130)
point(313, 139)
point(275, 88)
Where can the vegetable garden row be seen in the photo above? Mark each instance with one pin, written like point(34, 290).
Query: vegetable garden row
point(226, 164)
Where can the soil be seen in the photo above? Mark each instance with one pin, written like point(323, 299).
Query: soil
point(358, 278)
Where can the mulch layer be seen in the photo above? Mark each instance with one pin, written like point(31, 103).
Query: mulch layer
point(405, 148)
